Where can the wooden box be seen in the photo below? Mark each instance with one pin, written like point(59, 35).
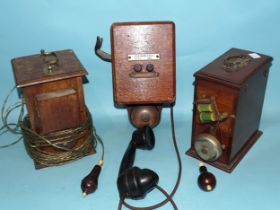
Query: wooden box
point(228, 100)
point(52, 87)
point(143, 62)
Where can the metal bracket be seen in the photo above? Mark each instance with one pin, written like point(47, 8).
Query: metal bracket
point(100, 53)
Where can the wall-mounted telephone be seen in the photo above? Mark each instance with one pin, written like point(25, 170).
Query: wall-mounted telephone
point(144, 79)
point(143, 64)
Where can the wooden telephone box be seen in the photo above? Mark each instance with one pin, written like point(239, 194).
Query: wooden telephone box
point(144, 69)
point(52, 87)
point(228, 100)
point(143, 62)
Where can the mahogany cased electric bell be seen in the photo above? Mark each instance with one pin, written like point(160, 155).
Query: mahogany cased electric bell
point(52, 87)
point(228, 99)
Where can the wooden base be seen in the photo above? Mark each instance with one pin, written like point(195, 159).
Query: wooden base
point(234, 162)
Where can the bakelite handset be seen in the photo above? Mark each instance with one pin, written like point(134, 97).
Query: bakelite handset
point(132, 181)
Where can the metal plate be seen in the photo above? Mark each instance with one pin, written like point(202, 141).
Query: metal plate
point(143, 57)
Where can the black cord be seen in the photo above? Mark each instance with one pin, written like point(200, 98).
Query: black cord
point(162, 191)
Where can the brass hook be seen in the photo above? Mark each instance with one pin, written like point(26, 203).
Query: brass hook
point(50, 58)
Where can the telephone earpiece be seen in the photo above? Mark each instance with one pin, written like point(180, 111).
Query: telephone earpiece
point(143, 138)
point(134, 182)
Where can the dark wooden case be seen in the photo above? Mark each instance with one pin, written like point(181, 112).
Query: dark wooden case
point(238, 89)
point(52, 87)
point(136, 46)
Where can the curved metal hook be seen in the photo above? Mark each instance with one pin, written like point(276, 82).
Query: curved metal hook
point(100, 53)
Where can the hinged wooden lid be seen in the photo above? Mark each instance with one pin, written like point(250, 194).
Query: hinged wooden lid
point(234, 67)
point(46, 67)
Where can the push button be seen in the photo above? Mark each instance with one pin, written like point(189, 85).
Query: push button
point(137, 67)
point(150, 67)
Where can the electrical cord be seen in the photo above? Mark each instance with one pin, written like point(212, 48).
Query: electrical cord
point(5, 112)
point(162, 191)
point(57, 148)
point(100, 141)
point(90, 182)
point(168, 196)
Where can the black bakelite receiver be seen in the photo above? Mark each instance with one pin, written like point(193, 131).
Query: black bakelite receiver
point(134, 182)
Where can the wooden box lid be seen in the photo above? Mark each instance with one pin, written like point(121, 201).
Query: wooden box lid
point(46, 67)
point(234, 67)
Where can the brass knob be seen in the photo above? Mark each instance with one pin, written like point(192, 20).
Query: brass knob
point(208, 147)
